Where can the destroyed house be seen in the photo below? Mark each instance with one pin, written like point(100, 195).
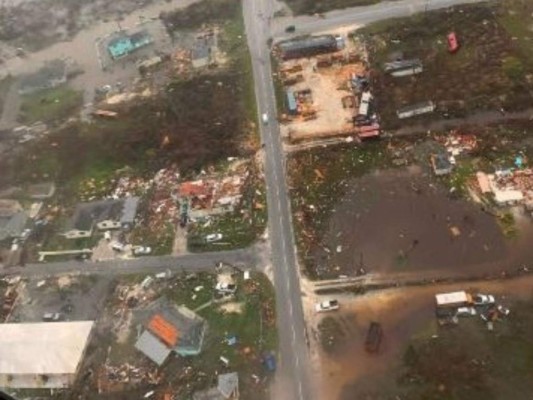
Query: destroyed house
point(103, 214)
point(41, 191)
point(123, 45)
point(51, 75)
point(227, 388)
point(308, 46)
point(12, 219)
point(169, 328)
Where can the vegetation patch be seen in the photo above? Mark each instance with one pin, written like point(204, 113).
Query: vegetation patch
point(486, 73)
point(50, 105)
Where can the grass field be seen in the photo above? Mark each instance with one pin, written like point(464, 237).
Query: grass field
point(50, 105)
point(489, 72)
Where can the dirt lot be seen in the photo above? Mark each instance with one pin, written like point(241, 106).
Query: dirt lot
point(488, 72)
point(328, 86)
point(399, 220)
point(464, 361)
point(78, 298)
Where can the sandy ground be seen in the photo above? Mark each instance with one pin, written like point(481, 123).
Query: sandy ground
point(398, 221)
point(328, 86)
point(403, 313)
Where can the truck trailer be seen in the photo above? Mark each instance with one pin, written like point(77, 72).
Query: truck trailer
point(453, 299)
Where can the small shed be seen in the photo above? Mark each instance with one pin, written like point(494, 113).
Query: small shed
point(292, 106)
point(416, 109)
point(441, 164)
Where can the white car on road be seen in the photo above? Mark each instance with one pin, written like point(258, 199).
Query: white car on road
point(483, 299)
point(264, 118)
point(328, 305)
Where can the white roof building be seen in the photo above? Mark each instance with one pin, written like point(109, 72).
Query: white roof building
point(42, 355)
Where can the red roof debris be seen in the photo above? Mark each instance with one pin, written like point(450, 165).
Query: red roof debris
point(164, 330)
point(196, 188)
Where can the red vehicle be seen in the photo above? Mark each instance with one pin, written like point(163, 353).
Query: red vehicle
point(453, 43)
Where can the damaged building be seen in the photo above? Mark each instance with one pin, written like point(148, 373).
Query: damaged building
point(102, 215)
point(51, 75)
point(309, 46)
point(42, 355)
point(12, 219)
point(169, 328)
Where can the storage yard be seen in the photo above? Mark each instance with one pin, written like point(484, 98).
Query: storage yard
point(326, 89)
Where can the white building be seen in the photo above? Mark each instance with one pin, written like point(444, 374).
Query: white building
point(42, 355)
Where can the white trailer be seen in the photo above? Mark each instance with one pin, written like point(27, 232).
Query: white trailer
point(453, 299)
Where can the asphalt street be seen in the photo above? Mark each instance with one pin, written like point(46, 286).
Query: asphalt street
point(293, 375)
point(358, 15)
point(245, 258)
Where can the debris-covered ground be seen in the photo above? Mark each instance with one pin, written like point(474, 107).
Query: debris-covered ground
point(489, 71)
point(419, 359)
point(241, 331)
point(176, 124)
point(380, 208)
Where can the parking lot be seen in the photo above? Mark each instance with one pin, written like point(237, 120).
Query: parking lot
point(75, 298)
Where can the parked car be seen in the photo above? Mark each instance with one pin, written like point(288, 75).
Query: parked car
point(141, 250)
point(373, 337)
point(483, 299)
point(226, 288)
point(328, 305)
point(52, 317)
point(290, 29)
point(503, 310)
point(269, 361)
point(466, 311)
point(213, 237)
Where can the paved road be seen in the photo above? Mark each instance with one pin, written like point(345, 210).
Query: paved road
point(188, 263)
point(359, 15)
point(293, 376)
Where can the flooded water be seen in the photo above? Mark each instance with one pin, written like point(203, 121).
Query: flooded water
point(352, 373)
point(399, 220)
